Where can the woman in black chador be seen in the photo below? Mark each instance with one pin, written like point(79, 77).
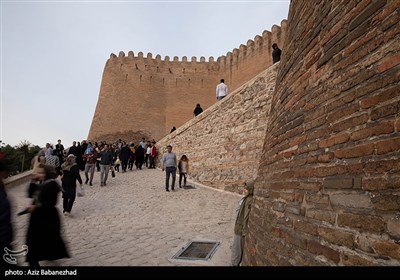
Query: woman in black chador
point(139, 155)
point(44, 231)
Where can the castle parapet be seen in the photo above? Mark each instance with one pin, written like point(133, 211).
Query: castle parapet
point(260, 43)
point(236, 66)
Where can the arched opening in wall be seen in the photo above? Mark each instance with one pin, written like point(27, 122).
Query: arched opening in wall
point(189, 82)
point(176, 82)
point(137, 68)
point(183, 70)
point(202, 83)
point(195, 70)
point(140, 79)
point(158, 70)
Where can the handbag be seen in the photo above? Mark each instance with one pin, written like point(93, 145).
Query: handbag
point(81, 191)
point(112, 173)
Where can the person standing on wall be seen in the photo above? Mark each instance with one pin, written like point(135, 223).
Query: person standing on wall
point(221, 90)
point(242, 218)
point(198, 110)
point(169, 163)
point(276, 53)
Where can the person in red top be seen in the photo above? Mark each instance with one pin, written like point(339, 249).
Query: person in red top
point(153, 155)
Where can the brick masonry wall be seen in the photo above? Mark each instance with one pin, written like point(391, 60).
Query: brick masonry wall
point(328, 185)
point(224, 143)
point(145, 96)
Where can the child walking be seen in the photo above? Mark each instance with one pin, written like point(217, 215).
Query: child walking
point(183, 169)
point(117, 163)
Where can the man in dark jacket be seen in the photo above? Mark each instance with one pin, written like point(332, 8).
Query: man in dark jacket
point(60, 151)
point(106, 160)
point(242, 218)
point(198, 110)
point(276, 53)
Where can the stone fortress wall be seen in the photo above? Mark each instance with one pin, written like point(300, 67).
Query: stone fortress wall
point(224, 143)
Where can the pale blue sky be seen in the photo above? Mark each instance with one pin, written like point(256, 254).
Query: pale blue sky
point(53, 53)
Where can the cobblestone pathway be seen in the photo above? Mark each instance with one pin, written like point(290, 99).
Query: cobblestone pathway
point(133, 221)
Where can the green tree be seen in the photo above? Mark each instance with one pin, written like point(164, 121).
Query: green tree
point(23, 150)
point(12, 158)
point(19, 157)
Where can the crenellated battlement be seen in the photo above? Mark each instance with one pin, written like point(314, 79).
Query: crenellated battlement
point(260, 44)
point(166, 59)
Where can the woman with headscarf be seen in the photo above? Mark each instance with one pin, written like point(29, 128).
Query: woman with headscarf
point(242, 218)
point(36, 160)
point(71, 174)
point(44, 231)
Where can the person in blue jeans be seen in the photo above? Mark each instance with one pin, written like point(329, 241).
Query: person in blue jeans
point(169, 163)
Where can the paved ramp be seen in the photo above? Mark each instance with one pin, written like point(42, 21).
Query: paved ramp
point(133, 221)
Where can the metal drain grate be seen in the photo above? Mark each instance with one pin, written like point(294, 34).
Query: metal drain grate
point(197, 250)
point(188, 187)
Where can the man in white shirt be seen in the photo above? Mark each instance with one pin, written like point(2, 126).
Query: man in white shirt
point(222, 90)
